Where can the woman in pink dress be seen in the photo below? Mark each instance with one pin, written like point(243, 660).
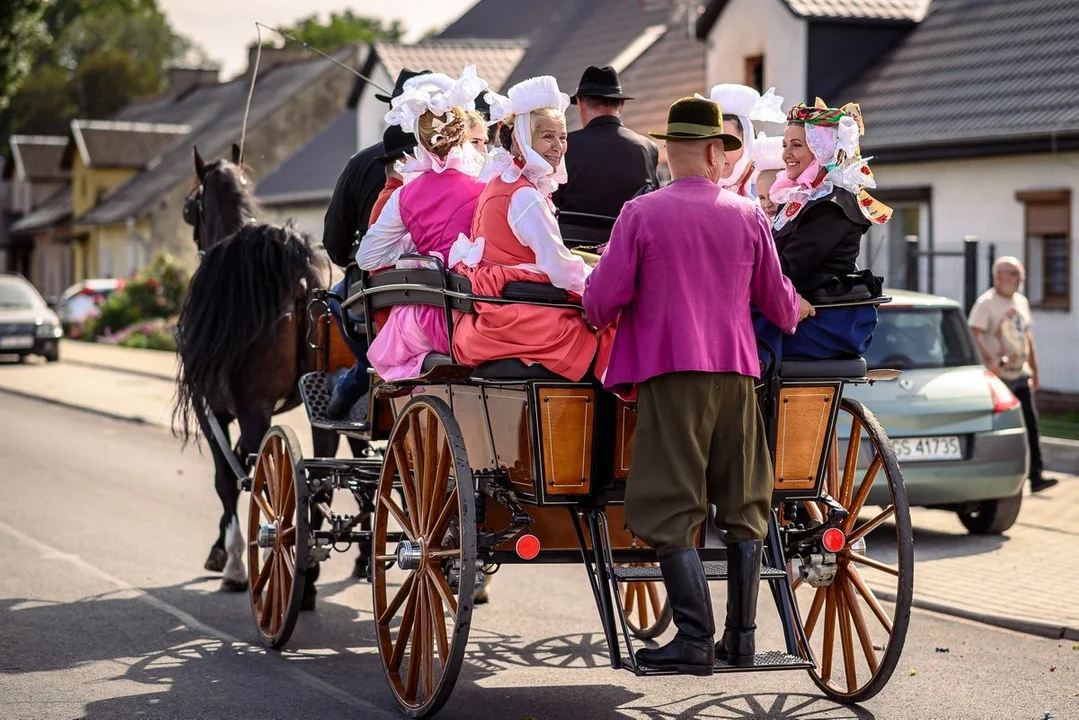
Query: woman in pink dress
point(515, 237)
point(427, 214)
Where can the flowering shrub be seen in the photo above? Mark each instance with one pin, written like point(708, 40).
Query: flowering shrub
point(154, 294)
point(156, 334)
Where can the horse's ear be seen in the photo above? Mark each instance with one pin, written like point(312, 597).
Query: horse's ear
point(200, 166)
point(235, 154)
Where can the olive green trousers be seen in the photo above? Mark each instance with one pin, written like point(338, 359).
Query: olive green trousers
point(700, 439)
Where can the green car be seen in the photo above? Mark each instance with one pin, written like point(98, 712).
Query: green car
point(957, 430)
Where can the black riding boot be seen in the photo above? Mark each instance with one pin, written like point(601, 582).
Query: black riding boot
point(743, 581)
point(691, 652)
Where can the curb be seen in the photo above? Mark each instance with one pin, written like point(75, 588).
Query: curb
point(1060, 454)
point(82, 408)
point(122, 370)
point(1026, 626)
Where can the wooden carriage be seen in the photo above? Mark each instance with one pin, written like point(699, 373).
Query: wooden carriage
point(508, 463)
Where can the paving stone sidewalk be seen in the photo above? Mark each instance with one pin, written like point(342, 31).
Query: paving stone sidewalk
point(1026, 579)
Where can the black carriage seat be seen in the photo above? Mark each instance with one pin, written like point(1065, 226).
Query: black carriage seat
point(848, 367)
point(433, 360)
point(514, 369)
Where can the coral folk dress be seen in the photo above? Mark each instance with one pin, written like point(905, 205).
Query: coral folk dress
point(515, 238)
point(425, 216)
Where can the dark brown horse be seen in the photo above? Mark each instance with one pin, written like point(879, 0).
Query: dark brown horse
point(242, 338)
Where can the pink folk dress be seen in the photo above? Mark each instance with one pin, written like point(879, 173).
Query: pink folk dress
point(432, 210)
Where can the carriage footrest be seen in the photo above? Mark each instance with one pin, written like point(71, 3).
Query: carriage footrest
point(768, 660)
point(714, 570)
point(316, 388)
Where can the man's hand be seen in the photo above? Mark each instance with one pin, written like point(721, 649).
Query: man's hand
point(805, 309)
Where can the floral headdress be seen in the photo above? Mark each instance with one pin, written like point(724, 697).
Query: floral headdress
point(833, 137)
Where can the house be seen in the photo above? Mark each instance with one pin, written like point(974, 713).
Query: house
point(36, 179)
point(649, 42)
point(972, 123)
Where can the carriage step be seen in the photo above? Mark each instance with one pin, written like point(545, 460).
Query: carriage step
point(768, 660)
point(714, 570)
point(316, 388)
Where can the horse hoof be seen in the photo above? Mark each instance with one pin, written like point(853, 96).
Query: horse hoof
point(362, 569)
point(481, 597)
point(217, 559)
point(308, 602)
point(230, 586)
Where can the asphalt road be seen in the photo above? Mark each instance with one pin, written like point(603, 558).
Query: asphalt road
point(106, 613)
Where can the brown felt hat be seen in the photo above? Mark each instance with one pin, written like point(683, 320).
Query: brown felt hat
point(693, 118)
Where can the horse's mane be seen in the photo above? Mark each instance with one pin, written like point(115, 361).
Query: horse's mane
point(227, 201)
point(239, 292)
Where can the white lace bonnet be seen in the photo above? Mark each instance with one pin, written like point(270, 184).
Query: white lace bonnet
point(519, 101)
point(749, 106)
point(436, 93)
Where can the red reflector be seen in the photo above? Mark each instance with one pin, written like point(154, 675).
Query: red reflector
point(1003, 399)
point(833, 540)
point(528, 547)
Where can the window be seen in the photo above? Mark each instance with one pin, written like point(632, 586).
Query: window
point(909, 338)
point(1047, 223)
point(755, 72)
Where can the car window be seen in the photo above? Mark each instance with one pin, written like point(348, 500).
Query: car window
point(16, 295)
point(912, 338)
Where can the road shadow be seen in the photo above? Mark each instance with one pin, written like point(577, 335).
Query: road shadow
point(760, 706)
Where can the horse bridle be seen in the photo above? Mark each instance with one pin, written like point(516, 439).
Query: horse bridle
point(192, 213)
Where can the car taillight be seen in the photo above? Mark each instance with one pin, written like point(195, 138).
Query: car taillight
point(1003, 398)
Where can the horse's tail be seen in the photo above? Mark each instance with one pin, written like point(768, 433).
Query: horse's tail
point(240, 290)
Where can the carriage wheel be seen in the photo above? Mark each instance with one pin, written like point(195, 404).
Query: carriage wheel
point(277, 533)
point(857, 625)
point(648, 611)
point(424, 587)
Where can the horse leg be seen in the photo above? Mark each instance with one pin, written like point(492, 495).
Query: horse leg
point(253, 427)
point(226, 486)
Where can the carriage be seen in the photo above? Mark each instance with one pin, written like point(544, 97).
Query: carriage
point(508, 463)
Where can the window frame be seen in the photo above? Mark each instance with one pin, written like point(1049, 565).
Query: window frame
point(754, 64)
point(1061, 198)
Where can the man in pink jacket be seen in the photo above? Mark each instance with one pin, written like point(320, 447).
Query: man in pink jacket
point(682, 267)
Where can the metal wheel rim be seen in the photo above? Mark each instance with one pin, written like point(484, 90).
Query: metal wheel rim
point(423, 661)
point(276, 574)
point(645, 604)
point(864, 625)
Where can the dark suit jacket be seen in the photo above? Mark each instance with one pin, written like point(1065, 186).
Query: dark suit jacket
point(350, 207)
point(822, 241)
point(607, 164)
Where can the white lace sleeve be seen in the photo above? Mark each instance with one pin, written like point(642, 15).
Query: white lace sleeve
point(387, 240)
point(535, 226)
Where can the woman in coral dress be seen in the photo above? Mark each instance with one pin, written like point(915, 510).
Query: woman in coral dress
point(427, 214)
point(515, 238)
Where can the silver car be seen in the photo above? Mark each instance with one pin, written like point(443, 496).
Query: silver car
point(957, 430)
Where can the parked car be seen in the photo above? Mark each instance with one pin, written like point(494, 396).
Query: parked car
point(27, 325)
point(957, 430)
point(81, 300)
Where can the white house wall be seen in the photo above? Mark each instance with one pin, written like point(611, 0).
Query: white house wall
point(977, 197)
point(371, 112)
point(747, 28)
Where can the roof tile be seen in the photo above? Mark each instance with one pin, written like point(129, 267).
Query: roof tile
point(40, 156)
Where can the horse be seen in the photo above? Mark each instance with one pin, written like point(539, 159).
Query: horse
point(242, 337)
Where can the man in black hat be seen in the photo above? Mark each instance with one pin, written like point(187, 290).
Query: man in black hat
point(360, 183)
point(607, 163)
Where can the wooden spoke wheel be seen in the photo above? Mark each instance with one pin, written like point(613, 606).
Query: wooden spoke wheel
point(424, 585)
point(277, 534)
point(647, 609)
point(857, 624)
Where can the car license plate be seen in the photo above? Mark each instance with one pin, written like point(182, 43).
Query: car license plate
point(927, 448)
point(16, 342)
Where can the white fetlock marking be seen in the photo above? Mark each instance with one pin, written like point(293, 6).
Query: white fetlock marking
point(234, 546)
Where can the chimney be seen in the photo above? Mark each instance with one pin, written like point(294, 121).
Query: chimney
point(182, 79)
point(274, 56)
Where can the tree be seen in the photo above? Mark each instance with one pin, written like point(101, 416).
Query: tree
point(43, 105)
point(345, 28)
point(22, 33)
point(108, 80)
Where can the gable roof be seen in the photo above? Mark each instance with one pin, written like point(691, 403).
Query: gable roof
point(310, 174)
point(36, 158)
point(216, 116)
point(495, 60)
point(121, 144)
point(902, 11)
point(507, 18)
point(975, 78)
point(58, 206)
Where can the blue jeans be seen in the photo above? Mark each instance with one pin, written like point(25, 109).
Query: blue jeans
point(836, 332)
point(355, 382)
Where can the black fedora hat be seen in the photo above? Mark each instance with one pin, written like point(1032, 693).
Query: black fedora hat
point(396, 142)
point(694, 118)
point(399, 87)
point(600, 82)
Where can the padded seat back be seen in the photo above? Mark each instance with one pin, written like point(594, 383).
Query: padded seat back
point(824, 369)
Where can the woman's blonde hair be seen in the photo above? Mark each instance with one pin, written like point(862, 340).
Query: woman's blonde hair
point(505, 133)
point(474, 118)
point(448, 135)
